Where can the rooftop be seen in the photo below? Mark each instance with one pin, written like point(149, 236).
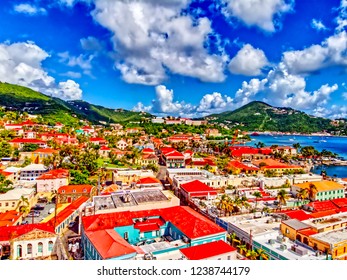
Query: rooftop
point(332, 237)
point(35, 167)
point(321, 185)
point(207, 250)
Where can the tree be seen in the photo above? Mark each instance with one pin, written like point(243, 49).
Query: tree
point(312, 190)
point(233, 238)
point(302, 194)
point(257, 195)
point(23, 205)
point(282, 197)
point(5, 149)
point(242, 248)
point(251, 254)
point(260, 145)
point(297, 146)
point(78, 178)
point(29, 147)
point(262, 254)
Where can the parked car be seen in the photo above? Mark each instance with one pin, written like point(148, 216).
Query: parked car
point(34, 214)
point(71, 224)
point(38, 207)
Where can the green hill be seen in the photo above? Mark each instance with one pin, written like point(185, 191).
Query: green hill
point(259, 116)
point(23, 99)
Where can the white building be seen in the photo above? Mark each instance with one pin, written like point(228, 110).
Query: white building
point(32, 171)
point(9, 200)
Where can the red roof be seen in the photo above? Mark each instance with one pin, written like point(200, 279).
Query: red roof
point(238, 151)
point(8, 218)
point(340, 202)
point(323, 213)
point(7, 233)
point(298, 214)
point(191, 223)
point(78, 189)
point(240, 165)
point(46, 151)
point(147, 150)
point(148, 181)
point(5, 173)
point(149, 225)
point(207, 250)
point(97, 139)
point(104, 148)
point(197, 188)
point(319, 206)
point(30, 141)
point(54, 174)
point(67, 211)
point(112, 245)
point(308, 231)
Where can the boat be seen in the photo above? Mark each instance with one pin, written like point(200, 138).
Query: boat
point(291, 139)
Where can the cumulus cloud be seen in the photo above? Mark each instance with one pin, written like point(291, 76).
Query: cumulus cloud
point(21, 63)
point(165, 104)
point(341, 20)
point(283, 89)
point(152, 38)
point(80, 61)
point(318, 25)
point(331, 52)
point(29, 9)
point(91, 44)
point(261, 13)
point(248, 61)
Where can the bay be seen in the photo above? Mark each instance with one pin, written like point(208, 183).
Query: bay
point(334, 144)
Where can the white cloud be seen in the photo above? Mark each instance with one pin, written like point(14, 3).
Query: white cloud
point(248, 61)
point(261, 13)
point(151, 38)
point(91, 44)
point(318, 25)
point(71, 74)
point(249, 91)
point(164, 102)
point(330, 53)
point(21, 63)
point(29, 9)
point(81, 61)
point(342, 17)
point(215, 103)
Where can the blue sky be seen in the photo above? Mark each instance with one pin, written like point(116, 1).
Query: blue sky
point(180, 57)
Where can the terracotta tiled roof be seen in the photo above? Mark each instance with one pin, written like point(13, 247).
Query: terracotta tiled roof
point(7, 233)
point(148, 181)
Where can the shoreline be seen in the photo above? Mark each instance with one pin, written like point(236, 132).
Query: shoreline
point(277, 133)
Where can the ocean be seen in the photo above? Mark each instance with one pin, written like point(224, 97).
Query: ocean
point(331, 143)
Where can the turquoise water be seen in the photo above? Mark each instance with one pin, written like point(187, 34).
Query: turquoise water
point(331, 143)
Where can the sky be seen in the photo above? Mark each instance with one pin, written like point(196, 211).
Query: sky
point(186, 58)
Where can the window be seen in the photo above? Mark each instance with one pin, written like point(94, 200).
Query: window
point(73, 190)
point(63, 191)
point(50, 246)
point(40, 247)
point(6, 204)
point(29, 249)
point(287, 231)
point(126, 235)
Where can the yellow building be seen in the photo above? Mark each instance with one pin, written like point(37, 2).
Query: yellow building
point(39, 155)
point(147, 159)
point(11, 199)
point(325, 190)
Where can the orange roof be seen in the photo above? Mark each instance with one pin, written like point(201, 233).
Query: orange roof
point(207, 250)
point(240, 165)
point(46, 151)
point(297, 214)
point(9, 218)
point(112, 245)
point(5, 173)
point(54, 174)
point(321, 186)
point(147, 150)
point(271, 163)
point(319, 206)
point(148, 181)
point(75, 189)
point(323, 213)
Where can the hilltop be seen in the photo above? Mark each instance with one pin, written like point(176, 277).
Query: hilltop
point(52, 109)
point(260, 116)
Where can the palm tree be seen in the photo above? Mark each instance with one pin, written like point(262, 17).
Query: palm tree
point(302, 194)
point(312, 191)
point(282, 197)
point(251, 254)
point(233, 238)
point(262, 254)
point(23, 202)
point(257, 195)
point(260, 145)
point(242, 248)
